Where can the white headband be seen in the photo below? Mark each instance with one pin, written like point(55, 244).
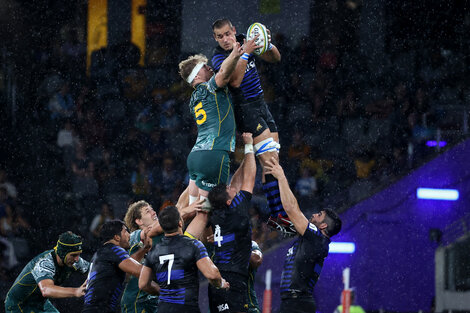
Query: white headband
point(194, 72)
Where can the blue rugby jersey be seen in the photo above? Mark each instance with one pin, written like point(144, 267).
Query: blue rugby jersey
point(250, 86)
point(173, 261)
point(304, 262)
point(232, 235)
point(105, 279)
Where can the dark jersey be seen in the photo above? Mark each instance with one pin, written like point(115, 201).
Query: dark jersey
point(232, 235)
point(173, 262)
point(304, 261)
point(105, 280)
point(250, 86)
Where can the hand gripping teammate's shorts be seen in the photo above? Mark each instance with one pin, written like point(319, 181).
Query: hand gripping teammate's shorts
point(208, 168)
point(254, 117)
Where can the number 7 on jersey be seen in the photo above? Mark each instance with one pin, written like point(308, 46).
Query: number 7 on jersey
point(170, 258)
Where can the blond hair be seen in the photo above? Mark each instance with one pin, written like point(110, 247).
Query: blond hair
point(186, 66)
point(134, 212)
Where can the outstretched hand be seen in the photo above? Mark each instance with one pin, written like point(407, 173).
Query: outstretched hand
point(249, 45)
point(273, 167)
point(80, 291)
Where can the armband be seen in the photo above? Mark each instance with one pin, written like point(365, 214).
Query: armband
point(270, 47)
point(245, 56)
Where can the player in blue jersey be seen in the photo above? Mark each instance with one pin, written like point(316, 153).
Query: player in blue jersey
point(174, 263)
point(251, 111)
point(41, 278)
point(108, 270)
point(256, 259)
point(230, 222)
point(305, 257)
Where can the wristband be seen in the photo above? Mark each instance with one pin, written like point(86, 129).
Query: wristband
point(245, 56)
point(222, 284)
point(270, 47)
point(248, 148)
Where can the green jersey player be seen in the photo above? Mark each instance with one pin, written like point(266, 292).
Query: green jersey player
point(208, 162)
point(41, 278)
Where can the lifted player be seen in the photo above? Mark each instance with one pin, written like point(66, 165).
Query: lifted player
point(251, 111)
point(210, 104)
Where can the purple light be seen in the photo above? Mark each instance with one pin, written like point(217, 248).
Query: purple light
point(433, 143)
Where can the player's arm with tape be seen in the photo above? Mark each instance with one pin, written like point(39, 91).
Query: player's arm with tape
point(272, 55)
point(289, 202)
point(237, 75)
point(228, 66)
point(244, 177)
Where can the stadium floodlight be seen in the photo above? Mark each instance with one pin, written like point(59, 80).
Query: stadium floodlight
point(342, 247)
point(433, 143)
point(437, 194)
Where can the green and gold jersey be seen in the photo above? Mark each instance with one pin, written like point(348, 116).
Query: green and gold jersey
point(132, 294)
point(212, 109)
point(44, 266)
point(252, 299)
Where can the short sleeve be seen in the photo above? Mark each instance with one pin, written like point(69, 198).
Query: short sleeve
point(312, 232)
point(118, 255)
point(44, 269)
point(200, 250)
point(211, 85)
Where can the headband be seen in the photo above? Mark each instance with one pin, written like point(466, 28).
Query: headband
point(194, 72)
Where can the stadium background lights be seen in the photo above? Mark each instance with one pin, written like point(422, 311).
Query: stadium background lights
point(342, 247)
point(433, 143)
point(437, 194)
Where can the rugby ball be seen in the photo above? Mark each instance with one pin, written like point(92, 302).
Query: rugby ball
point(255, 29)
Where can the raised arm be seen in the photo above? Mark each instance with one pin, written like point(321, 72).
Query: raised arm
point(237, 75)
point(244, 177)
point(289, 202)
point(272, 55)
point(228, 66)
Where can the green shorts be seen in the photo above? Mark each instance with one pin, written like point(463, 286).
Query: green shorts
point(208, 168)
point(44, 307)
point(140, 307)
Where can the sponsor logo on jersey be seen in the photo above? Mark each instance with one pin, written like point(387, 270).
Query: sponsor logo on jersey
point(207, 184)
point(250, 66)
point(259, 127)
point(222, 307)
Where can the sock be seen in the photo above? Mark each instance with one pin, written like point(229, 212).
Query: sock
point(273, 195)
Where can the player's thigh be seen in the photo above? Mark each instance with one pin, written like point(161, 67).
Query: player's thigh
point(268, 117)
point(209, 168)
point(250, 119)
point(297, 305)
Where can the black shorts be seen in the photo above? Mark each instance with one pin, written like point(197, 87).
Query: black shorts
point(297, 305)
point(254, 117)
point(165, 307)
point(232, 300)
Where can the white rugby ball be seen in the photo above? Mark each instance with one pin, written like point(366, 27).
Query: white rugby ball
point(255, 29)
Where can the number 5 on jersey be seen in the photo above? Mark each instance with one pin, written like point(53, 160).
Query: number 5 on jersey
point(200, 114)
point(170, 258)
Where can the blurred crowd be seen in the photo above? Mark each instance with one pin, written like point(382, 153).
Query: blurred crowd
point(122, 133)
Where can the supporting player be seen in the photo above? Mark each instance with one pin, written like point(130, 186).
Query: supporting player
point(256, 259)
point(175, 263)
point(210, 104)
point(48, 271)
point(230, 221)
point(305, 257)
point(251, 111)
point(109, 267)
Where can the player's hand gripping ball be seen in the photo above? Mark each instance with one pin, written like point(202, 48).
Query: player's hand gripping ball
point(262, 40)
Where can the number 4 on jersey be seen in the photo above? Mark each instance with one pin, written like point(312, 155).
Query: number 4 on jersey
point(170, 258)
point(217, 237)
